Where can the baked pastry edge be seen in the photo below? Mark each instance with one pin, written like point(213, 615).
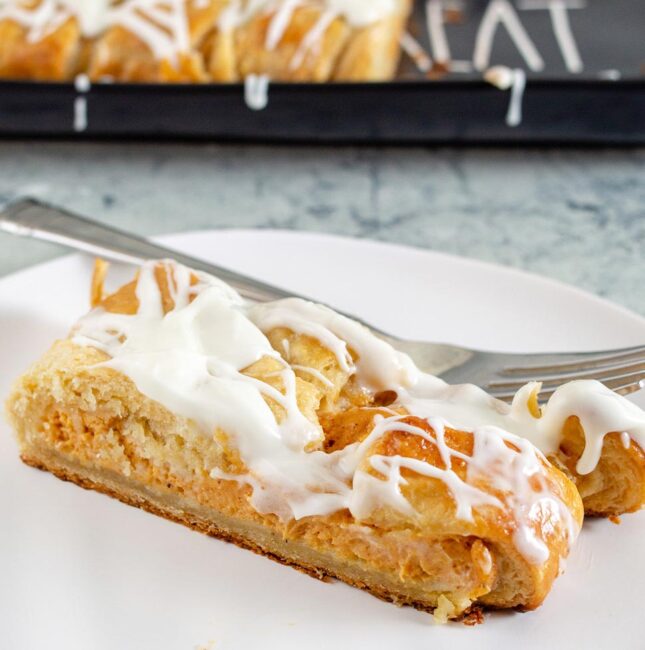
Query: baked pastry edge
point(186, 513)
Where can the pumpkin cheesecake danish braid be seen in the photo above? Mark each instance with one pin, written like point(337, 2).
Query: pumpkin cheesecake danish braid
point(292, 431)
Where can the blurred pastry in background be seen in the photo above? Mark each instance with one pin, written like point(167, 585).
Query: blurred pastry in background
point(201, 40)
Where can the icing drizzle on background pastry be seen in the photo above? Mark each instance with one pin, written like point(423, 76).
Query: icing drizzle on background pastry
point(163, 24)
point(191, 359)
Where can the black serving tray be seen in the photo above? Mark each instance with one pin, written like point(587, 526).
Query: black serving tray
point(602, 104)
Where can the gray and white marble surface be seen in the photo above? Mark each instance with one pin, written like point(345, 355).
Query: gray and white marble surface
point(575, 215)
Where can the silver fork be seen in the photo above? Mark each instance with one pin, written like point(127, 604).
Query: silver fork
point(501, 374)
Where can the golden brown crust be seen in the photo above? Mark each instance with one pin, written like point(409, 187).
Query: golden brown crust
point(98, 281)
point(286, 61)
point(52, 58)
point(193, 522)
point(121, 56)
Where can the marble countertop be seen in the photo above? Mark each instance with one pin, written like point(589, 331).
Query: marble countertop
point(575, 215)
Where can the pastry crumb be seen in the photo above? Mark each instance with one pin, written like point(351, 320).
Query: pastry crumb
point(474, 617)
point(447, 609)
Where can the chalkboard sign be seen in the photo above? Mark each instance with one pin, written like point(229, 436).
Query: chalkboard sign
point(473, 71)
point(549, 39)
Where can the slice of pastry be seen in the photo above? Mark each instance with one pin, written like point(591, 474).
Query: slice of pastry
point(294, 432)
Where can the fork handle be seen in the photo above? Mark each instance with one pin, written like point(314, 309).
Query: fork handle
point(32, 218)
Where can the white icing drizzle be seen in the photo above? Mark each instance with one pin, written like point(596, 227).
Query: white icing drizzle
point(361, 13)
point(162, 26)
point(82, 85)
point(48, 15)
point(256, 91)
point(380, 367)
point(514, 113)
point(238, 12)
point(298, 314)
point(191, 360)
point(312, 39)
point(528, 503)
point(501, 11)
point(505, 78)
point(314, 373)
point(357, 13)
point(80, 114)
point(280, 22)
point(558, 9)
point(92, 15)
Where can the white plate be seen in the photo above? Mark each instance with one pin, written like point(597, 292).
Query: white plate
point(81, 571)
